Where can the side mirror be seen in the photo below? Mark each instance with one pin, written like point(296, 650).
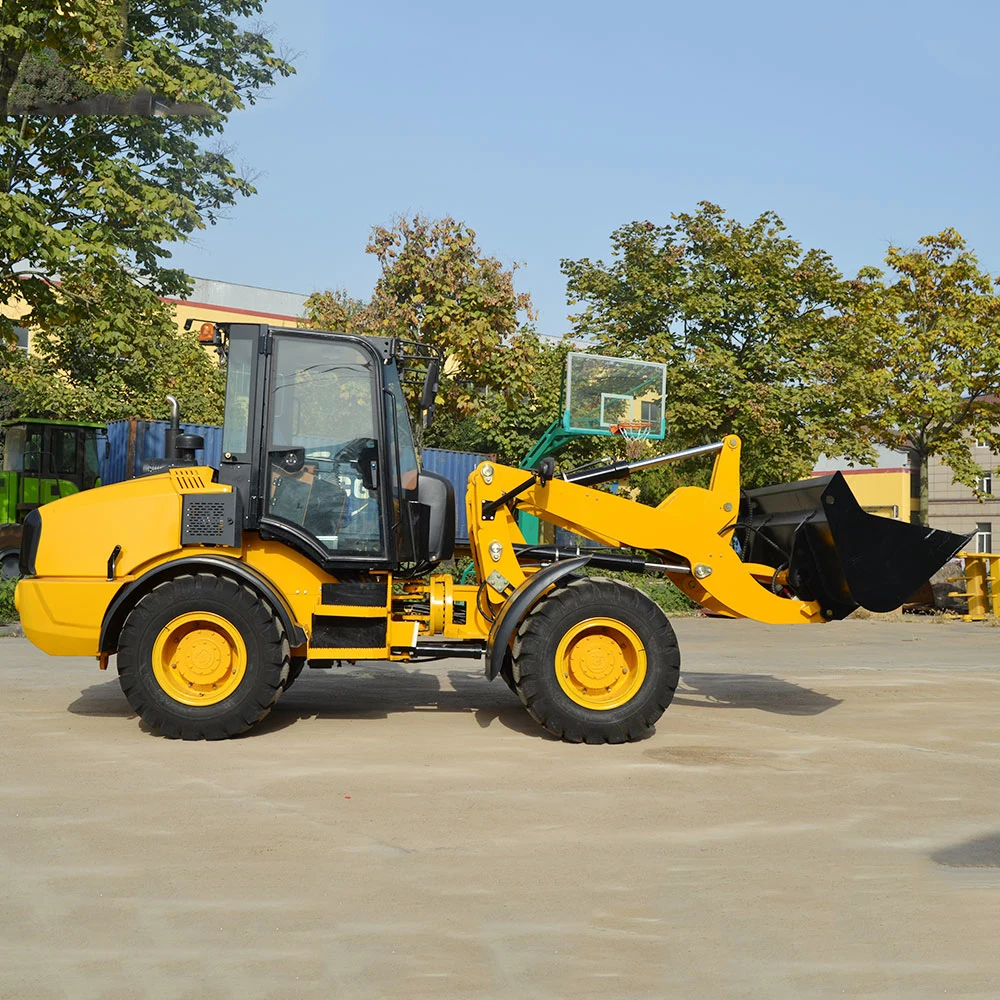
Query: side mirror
point(431, 382)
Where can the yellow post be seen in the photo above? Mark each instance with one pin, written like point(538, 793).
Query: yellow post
point(977, 585)
point(993, 582)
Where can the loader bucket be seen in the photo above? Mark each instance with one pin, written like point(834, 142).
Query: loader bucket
point(835, 552)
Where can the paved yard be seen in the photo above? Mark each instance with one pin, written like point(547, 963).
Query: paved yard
point(818, 815)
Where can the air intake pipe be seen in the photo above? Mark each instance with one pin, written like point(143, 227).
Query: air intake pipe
point(179, 448)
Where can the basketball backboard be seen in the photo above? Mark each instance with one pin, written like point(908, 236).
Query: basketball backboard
point(603, 392)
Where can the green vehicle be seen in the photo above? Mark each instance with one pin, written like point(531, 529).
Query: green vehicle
point(43, 460)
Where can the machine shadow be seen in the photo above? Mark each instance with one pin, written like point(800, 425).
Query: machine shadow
point(359, 693)
point(979, 852)
point(104, 700)
point(763, 692)
point(380, 691)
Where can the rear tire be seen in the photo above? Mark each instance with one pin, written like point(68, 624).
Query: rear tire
point(202, 657)
point(9, 568)
point(596, 662)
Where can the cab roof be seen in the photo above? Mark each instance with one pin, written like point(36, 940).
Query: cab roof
point(51, 423)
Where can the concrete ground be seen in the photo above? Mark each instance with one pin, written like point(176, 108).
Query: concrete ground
point(817, 815)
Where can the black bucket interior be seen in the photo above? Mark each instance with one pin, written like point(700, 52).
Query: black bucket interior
point(835, 552)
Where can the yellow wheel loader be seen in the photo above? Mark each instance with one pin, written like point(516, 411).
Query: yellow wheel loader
point(315, 541)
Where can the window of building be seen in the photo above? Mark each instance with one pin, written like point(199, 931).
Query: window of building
point(984, 536)
point(22, 337)
point(652, 413)
point(984, 483)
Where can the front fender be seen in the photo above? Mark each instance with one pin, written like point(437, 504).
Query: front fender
point(517, 607)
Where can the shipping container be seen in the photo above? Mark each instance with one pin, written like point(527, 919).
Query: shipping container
point(132, 442)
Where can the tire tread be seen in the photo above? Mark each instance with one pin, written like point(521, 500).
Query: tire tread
point(232, 716)
point(539, 690)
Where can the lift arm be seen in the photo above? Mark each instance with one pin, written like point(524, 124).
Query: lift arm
point(814, 538)
point(693, 524)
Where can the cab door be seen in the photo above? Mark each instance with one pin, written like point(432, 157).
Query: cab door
point(323, 462)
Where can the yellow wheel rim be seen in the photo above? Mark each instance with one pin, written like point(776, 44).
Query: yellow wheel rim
point(199, 658)
point(600, 663)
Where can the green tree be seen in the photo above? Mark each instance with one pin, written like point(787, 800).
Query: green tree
point(927, 341)
point(84, 371)
point(86, 200)
point(746, 322)
point(336, 310)
point(437, 287)
point(505, 425)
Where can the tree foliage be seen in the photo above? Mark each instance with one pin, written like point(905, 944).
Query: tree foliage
point(335, 310)
point(437, 287)
point(88, 371)
point(86, 200)
point(744, 319)
point(505, 425)
point(926, 341)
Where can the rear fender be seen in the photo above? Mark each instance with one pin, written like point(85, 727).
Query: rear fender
point(130, 595)
point(519, 605)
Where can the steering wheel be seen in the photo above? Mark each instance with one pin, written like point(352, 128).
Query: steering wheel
point(349, 452)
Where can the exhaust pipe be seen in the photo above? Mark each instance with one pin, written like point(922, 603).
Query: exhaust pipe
point(835, 552)
point(174, 430)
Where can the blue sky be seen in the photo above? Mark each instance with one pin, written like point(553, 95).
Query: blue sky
point(546, 125)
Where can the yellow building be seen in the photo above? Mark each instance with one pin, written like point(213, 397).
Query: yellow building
point(227, 302)
point(891, 489)
point(214, 301)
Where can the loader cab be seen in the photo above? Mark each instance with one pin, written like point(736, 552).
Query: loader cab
point(44, 460)
point(319, 445)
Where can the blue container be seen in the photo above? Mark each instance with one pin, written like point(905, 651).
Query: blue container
point(455, 466)
point(132, 442)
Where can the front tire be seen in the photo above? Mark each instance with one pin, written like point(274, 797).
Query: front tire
point(296, 664)
point(596, 662)
point(202, 657)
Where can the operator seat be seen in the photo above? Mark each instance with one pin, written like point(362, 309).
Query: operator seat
point(324, 509)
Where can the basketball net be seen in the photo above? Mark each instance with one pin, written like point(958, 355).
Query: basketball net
point(634, 433)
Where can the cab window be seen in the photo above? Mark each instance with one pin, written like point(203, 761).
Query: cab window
point(33, 451)
point(64, 460)
point(397, 417)
point(236, 420)
point(91, 463)
point(14, 445)
point(322, 444)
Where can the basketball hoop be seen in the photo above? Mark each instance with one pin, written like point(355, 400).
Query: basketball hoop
point(634, 433)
